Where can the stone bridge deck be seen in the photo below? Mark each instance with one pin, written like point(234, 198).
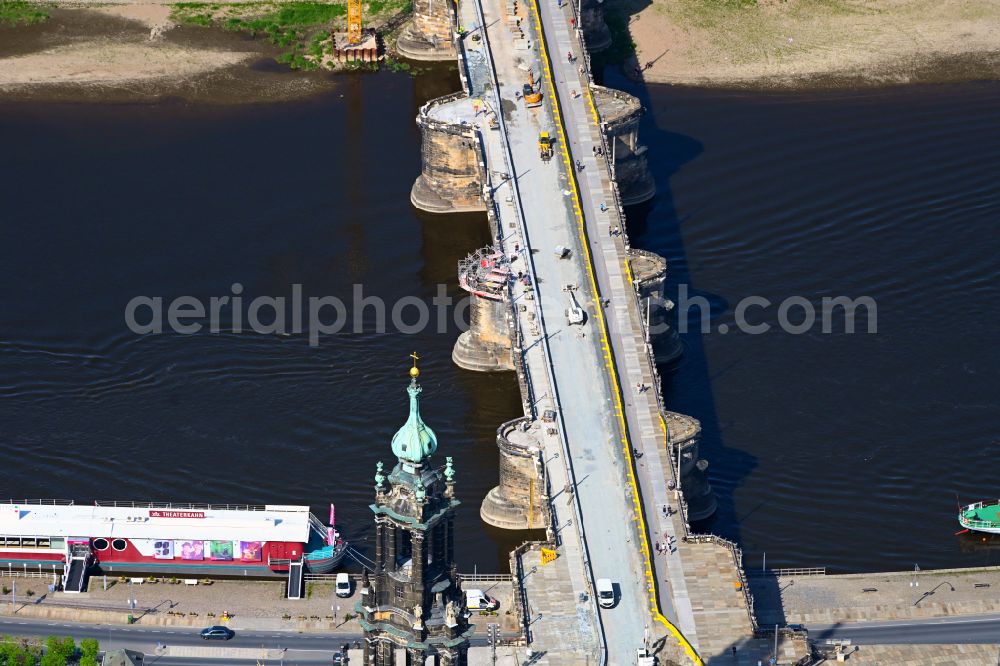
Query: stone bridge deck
point(605, 502)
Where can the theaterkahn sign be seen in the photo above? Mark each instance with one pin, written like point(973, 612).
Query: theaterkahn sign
point(176, 514)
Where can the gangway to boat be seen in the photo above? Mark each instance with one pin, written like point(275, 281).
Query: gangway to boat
point(358, 557)
point(75, 573)
point(317, 526)
point(295, 576)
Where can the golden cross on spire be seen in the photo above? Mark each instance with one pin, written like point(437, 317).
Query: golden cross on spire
point(414, 371)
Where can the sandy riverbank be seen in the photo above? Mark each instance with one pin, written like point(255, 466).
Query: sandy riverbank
point(135, 52)
point(794, 43)
point(121, 50)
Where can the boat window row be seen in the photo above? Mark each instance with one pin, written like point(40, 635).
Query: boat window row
point(114, 544)
point(32, 542)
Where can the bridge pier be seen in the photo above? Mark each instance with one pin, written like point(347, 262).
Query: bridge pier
point(428, 35)
point(620, 114)
point(486, 346)
point(520, 501)
point(449, 180)
point(683, 438)
point(649, 273)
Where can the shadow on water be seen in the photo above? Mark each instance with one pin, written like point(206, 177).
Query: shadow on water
point(656, 225)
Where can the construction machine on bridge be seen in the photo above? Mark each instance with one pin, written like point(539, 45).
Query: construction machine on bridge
point(545, 146)
point(575, 315)
point(532, 91)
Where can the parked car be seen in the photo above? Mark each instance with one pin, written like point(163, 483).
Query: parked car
point(605, 593)
point(217, 633)
point(343, 585)
point(478, 600)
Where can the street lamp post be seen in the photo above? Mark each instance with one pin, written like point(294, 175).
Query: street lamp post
point(933, 590)
point(493, 635)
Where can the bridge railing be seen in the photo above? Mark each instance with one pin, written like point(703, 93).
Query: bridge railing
point(674, 463)
point(617, 206)
point(520, 598)
point(485, 578)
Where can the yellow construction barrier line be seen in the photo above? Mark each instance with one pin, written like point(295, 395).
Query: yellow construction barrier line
point(605, 343)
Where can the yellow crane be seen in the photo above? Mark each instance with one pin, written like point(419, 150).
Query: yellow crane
point(353, 22)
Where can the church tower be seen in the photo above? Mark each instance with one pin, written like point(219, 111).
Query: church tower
point(413, 601)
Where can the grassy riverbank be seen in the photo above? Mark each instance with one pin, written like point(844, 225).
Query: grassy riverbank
point(786, 42)
point(299, 27)
point(21, 13)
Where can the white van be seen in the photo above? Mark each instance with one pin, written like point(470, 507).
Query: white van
point(343, 585)
point(477, 600)
point(605, 593)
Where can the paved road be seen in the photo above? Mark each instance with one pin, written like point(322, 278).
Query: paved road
point(292, 658)
point(146, 637)
point(954, 630)
point(623, 318)
point(301, 648)
point(566, 365)
point(581, 378)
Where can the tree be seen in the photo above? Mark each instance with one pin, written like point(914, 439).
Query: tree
point(15, 652)
point(89, 647)
point(53, 659)
point(58, 650)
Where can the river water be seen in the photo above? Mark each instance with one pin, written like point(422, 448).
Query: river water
point(841, 450)
point(837, 450)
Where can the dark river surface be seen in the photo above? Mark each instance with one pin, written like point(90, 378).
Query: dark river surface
point(825, 449)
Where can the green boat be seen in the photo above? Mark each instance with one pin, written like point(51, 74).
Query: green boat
point(981, 517)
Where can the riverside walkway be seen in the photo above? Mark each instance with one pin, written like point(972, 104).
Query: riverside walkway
point(605, 501)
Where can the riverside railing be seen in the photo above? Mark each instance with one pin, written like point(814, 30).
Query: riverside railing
point(788, 572)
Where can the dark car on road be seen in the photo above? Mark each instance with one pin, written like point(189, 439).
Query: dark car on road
point(218, 633)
